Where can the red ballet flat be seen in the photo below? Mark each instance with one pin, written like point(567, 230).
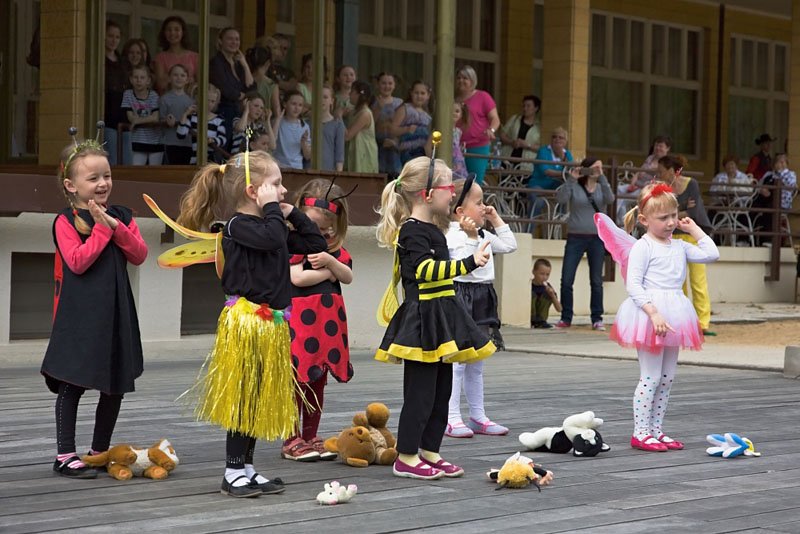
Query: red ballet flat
point(649, 443)
point(672, 444)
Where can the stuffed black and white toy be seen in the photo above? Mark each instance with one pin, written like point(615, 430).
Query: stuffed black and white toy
point(578, 433)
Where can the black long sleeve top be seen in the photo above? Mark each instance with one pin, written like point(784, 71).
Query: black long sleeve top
point(257, 251)
point(229, 82)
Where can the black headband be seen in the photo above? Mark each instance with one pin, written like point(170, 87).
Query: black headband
point(464, 192)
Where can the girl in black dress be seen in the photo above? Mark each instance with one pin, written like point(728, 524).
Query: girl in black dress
point(95, 342)
point(431, 329)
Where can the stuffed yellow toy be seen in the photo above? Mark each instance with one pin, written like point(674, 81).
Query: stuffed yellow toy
point(124, 462)
point(518, 472)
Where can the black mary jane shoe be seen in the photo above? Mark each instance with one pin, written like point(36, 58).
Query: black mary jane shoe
point(246, 490)
point(270, 487)
point(63, 469)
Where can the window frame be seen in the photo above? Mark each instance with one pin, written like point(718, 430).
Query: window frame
point(646, 77)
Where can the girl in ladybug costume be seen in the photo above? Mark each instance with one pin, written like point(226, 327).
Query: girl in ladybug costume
point(318, 323)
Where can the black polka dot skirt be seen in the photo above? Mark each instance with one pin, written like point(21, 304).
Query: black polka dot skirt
point(318, 329)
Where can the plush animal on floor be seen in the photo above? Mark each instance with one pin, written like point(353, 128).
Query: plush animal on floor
point(335, 493)
point(518, 472)
point(730, 445)
point(374, 420)
point(124, 461)
point(578, 433)
point(368, 441)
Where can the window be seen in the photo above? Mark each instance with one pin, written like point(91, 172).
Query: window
point(758, 98)
point(644, 81)
point(398, 36)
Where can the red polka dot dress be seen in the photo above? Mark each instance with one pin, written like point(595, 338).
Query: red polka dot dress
point(318, 327)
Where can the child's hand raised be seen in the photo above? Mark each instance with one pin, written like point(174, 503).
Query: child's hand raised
point(481, 255)
point(494, 217)
point(100, 216)
point(688, 225)
point(469, 227)
point(286, 209)
point(267, 192)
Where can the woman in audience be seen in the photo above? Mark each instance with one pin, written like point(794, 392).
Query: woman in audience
point(175, 49)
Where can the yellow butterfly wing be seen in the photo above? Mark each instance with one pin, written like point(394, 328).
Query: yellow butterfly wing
point(219, 257)
point(199, 251)
point(181, 230)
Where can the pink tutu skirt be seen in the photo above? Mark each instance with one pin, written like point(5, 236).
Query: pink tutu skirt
point(633, 328)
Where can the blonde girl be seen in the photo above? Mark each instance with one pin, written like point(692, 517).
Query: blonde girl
point(249, 389)
point(431, 329)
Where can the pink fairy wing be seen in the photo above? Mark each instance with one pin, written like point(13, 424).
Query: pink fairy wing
point(617, 241)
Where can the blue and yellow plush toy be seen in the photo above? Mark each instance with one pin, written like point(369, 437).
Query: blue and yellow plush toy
point(730, 445)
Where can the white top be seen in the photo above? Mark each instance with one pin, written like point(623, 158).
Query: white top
point(657, 266)
point(461, 246)
point(721, 181)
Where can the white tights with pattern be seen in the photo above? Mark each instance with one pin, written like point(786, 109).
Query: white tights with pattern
point(657, 371)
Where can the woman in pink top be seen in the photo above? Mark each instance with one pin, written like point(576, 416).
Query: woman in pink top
point(174, 43)
point(484, 120)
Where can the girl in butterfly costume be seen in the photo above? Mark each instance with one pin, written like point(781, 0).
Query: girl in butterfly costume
point(656, 318)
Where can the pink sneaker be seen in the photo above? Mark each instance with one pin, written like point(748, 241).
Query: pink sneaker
point(563, 324)
point(422, 471)
point(458, 430)
point(449, 470)
point(489, 428)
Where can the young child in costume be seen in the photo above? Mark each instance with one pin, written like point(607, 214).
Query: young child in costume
point(249, 388)
point(477, 294)
point(657, 318)
point(543, 295)
point(431, 329)
point(318, 324)
point(95, 342)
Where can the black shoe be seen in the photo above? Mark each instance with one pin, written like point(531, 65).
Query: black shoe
point(102, 468)
point(542, 324)
point(270, 487)
point(241, 491)
point(63, 469)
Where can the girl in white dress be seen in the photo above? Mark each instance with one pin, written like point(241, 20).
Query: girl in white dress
point(656, 318)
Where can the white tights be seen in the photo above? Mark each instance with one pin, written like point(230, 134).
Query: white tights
point(471, 376)
point(657, 371)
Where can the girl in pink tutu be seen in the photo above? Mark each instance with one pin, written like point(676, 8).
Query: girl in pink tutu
point(656, 318)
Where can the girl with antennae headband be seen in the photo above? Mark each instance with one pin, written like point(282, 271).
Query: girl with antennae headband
point(431, 329)
point(657, 319)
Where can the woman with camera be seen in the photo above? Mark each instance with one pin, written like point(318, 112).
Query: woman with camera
point(587, 192)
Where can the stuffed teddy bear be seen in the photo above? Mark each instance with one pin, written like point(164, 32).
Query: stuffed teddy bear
point(335, 493)
point(368, 441)
point(124, 461)
point(578, 433)
point(354, 446)
point(374, 420)
point(518, 472)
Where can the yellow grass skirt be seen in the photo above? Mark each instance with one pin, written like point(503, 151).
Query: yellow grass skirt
point(249, 386)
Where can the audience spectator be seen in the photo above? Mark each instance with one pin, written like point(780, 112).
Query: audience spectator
point(520, 135)
point(343, 85)
point(761, 162)
point(255, 118)
point(172, 106)
point(383, 111)
point(175, 49)
point(586, 192)
point(140, 104)
point(279, 45)
point(484, 120)
point(460, 123)
point(548, 175)
point(230, 72)
point(690, 204)
point(293, 133)
point(260, 60)
point(362, 150)
point(215, 128)
point(333, 131)
point(731, 181)
point(412, 122)
point(116, 80)
point(780, 173)
point(305, 85)
point(135, 54)
point(659, 148)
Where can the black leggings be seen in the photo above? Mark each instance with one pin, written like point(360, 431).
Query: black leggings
point(239, 450)
point(426, 397)
point(105, 418)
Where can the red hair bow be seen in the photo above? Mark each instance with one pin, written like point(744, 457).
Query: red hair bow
point(657, 191)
